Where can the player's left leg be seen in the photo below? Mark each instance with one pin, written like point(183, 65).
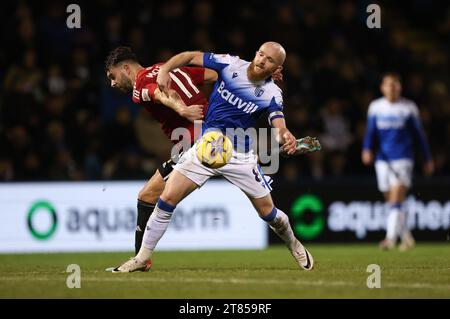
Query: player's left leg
point(382, 174)
point(389, 242)
point(245, 173)
point(278, 221)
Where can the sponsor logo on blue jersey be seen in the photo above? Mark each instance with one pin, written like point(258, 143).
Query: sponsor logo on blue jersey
point(245, 106)
point(385, 122)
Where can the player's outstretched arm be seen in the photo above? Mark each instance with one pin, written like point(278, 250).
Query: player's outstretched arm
point(284, 136)
point(173, 100)
point(179, 60)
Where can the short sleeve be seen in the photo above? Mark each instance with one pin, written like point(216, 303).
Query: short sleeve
point(216, 61)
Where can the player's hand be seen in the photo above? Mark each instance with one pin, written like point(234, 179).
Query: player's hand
point(163, 80)
point(428, 168)
point(193, 112)
point(277, 76)
point(290, 143)
point(367, 157)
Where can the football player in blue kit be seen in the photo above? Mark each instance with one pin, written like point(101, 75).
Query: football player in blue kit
point(242, 93)
point(393, 123)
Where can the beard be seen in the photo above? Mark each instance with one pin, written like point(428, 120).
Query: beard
point(256, 75)
point(125, 85)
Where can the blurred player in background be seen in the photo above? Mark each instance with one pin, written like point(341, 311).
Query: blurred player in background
point(392, 124)
point(244, 91)
point(183, 104)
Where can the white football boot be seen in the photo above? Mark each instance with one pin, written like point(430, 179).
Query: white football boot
point(302, 256)
point(148, 264)
point(133, 264)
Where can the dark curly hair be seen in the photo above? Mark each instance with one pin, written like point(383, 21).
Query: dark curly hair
point(118, 55)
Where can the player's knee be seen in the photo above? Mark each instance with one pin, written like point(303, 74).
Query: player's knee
point(265, 208)
point(269, 215)
point(168, 198)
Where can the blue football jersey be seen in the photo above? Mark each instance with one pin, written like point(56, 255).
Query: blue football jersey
point(391, 129)
point(236, 102)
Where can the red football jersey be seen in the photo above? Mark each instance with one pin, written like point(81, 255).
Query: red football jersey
point(185, 82)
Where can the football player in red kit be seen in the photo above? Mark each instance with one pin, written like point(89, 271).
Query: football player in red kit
point(184, 104)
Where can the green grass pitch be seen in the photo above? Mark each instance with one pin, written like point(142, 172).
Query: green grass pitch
point(340, 272)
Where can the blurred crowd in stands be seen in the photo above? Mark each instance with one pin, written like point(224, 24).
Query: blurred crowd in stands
point(60, 120)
